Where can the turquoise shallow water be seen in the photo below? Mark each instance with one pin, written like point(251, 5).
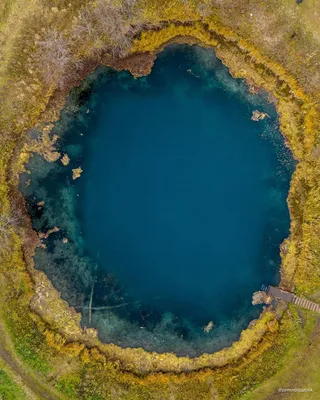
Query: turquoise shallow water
point(181, 208)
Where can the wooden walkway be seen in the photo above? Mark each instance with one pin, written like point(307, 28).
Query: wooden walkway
point(278, 293)
point(304, 303)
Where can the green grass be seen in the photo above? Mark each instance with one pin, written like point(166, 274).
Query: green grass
point(28, 341)
point(297, 360)
point(69, 386)
point(9, 390)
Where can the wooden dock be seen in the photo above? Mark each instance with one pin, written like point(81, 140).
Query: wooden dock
point(278, 293)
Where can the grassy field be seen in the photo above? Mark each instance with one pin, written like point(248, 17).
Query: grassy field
point(46, 47)
point(9, 389)
point(300, 372)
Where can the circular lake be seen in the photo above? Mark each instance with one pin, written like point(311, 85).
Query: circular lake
point(180, 210)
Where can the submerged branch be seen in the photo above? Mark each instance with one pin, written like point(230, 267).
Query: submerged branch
point(90, 308)
point(90, 301)
point(110, 307)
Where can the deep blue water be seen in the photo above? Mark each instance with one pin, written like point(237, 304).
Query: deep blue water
point(180, 210)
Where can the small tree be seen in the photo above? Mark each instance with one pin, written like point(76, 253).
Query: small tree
point(54, 58)
point(110, 25)
point(7, 222)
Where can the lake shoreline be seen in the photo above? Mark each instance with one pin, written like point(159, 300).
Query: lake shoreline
point(56, 313)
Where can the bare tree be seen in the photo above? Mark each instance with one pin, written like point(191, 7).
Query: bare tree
point(129, 8)
point(55, 57)
point(105, 26)
point(7, 222)
point(114, 24)
point(85, 24)
point(110, 24)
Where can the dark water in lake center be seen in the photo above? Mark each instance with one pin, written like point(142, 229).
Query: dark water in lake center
point(181, 208)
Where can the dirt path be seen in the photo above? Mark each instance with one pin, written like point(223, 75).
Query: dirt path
point(35, 388)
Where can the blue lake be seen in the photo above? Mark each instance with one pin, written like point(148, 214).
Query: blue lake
point(181, 208)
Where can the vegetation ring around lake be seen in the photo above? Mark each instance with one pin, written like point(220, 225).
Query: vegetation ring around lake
point(155, 269)
point(296, 147)
point(59, 325)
